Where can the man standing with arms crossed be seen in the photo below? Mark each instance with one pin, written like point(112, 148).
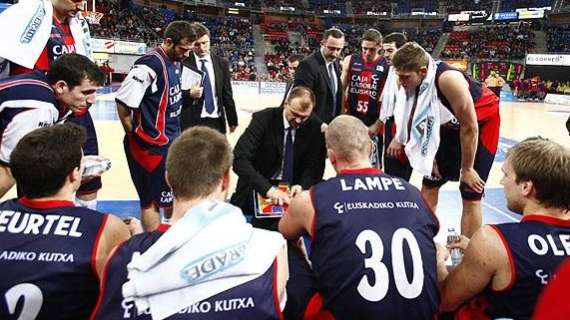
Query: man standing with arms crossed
point(149, 103)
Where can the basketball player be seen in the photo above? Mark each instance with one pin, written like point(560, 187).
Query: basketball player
point(35, 100)
point(149, 104)
point(359, 223)
point(506, 266)
point(467, 148)
point(69, 33)
point(363, 79)
point(51, 252)
point(201, 222)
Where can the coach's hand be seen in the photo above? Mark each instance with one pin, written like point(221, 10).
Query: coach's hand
point(196, 92)
point(471, 178)
point(278, 196)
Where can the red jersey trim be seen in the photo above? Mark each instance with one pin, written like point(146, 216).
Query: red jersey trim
point(360, 171)
point(314, 222)
point(96, 244)
point(546, 219)
point(163, 227)
point(25, 81)
point(511, 261)
point(276, 302)
point(45, 204)
point(104, 279)
point(160, 123)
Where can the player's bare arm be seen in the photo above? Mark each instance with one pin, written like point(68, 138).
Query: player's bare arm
point(125, 116)
point(298, 219)
point(344, 81)
point(115, 232)
point(485, 263)
point(456, 89)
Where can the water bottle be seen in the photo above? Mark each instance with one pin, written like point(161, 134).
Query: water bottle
point(456, 253)
point(93, 166)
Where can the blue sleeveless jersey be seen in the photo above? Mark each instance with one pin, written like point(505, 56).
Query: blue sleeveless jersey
point(372, 251)
point(256, 299)
point(156, 119)
point(365, 84)
point(536, 247)
point(47, 258)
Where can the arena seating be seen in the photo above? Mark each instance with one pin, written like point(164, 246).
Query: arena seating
point(558, 39)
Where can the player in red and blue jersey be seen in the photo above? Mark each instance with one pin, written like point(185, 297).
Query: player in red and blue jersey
point(363, 79)
point(262, 297)
point(149, 105)
point(60, 42)
point(372, 250)
point(35, 100)
point(506, 266)
point(51, 252)
point(467, 146)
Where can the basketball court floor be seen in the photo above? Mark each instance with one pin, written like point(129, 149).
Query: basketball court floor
point(518, 121)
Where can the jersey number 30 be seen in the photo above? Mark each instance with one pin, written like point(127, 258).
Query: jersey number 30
point(377, 291)
point(33, 300)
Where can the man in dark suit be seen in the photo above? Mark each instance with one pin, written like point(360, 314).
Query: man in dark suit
point(279, 145)
point(292, 65)
point(211, 103)
point(321, 73)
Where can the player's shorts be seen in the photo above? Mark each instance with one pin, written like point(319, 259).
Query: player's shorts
point(90, 148)
point(448, 155)
point(147, 167)
point(398, 167)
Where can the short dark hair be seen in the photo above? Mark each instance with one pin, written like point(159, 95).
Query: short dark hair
point(333, 32)
point(547, 164)
point(178, 30)
point(73, 68)
point(200, 29)
point(372, 35)
point(209, 155)
point(295, 57)
point(43, 159)
point(397, 37)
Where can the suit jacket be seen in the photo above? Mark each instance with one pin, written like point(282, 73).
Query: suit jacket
point(192, 108)
point(258, 155)
point(312, 72)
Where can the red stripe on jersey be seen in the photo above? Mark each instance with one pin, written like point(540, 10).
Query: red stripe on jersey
point(160, 123)
point(14, 83)
point(276, 301)
point(96, 244)
point(45, 204)
point(315, 311)
point(511, 261)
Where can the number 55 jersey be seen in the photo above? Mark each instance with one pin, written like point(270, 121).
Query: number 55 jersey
point(373, 254)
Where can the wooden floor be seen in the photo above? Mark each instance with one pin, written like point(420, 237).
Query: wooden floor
point(518, 121)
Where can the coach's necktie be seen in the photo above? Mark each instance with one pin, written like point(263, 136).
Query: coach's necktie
point(208, 95)
point(332, 78)
point(288, 156)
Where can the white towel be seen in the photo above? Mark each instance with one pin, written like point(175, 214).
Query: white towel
point(30, 23)
point(429, 114)
point(168, 278)
point(389, 95)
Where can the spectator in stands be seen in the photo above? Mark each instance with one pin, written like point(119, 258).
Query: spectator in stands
point(292, 65)
point(506, 266)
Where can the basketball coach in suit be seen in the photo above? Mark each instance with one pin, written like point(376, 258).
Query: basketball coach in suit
point(279, 145)
point(213, 102)
point(320, 72)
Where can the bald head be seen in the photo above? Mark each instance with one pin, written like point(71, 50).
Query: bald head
point(348, 138)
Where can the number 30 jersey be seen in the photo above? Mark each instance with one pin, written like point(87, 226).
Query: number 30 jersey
point(373, 253)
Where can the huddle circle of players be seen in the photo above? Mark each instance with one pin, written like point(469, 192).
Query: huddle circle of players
point(356, 246)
